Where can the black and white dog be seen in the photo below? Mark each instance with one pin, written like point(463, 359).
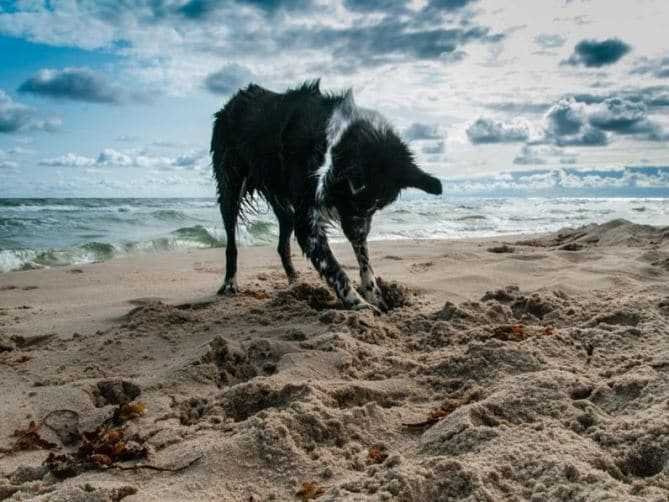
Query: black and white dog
point(316, 158)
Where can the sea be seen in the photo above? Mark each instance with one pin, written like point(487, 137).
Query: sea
point(38, 233)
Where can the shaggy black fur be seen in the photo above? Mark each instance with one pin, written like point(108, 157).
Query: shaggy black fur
point(316, 158)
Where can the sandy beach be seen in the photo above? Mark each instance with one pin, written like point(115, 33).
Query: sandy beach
point(523, 368)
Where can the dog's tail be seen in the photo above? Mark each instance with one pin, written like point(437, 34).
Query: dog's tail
point(217, 149)
point(229, 169)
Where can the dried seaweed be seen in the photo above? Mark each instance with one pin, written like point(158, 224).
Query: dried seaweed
point(510, 332)
point(309, 491)
point(28, 439)
point(435, 416)
point(376, 455)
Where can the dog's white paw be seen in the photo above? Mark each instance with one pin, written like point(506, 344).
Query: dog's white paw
point(363, 305)
point(374, 297)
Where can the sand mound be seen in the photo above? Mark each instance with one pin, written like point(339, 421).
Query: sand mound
point(613, 233)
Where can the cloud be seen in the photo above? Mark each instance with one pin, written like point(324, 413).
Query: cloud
point(196, 10)
point(595, 54)
point(68, 160)
point(16, 117)
point(567, 124)
point(390, 40)
point(418, 131)
point(536, 154)
point(568, 181)
point(368, 6)
point(518, 107)
point(109, 157)
point(434, 148)
point(228, 79)
point(587, 123)
point(615, 114)
point(78, 84)
point(486, 130)
point(47, 125)
point(658, 68)
point(174, 44)
point(190, 159)
point(13, 116)
point(448, 5)
point(654, 97)
point(528, 156)
point(8, 164)
point(548, 41)
point(126, 138)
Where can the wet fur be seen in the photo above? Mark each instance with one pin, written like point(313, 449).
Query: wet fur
point(316, 158)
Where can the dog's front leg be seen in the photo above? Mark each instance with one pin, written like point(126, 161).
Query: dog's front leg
point(312, 238)
point(368, 285)
point(356, 230)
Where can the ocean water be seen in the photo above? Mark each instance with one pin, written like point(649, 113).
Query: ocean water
point(38, 233)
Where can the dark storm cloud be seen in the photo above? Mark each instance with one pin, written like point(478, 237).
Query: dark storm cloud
point(385, 6)
point(434, 149)
point(528, 157)
point(392, 33)
point(228, 79)
point(567, 125)
point(654, 97)
point(658, 68)
point(418, 131)
point(618, 115)
point(389, 40)
point(542, 154)
point(588, 122)
point(626, 117)
point(79, 84)
point(549, 41)
point(449, 4)
point(15, 117)
point(275, 5)
point(198, 9)
point(517, 107)
point(486, 130)
point(594, 54)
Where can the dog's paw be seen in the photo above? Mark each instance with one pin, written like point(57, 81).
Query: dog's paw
point(229, 288)
point(363, 305)
point(374, 297)
point(293, 278)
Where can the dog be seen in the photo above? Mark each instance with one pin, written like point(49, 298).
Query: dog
point(317, 159)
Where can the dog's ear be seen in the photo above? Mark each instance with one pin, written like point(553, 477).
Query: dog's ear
point(416, 178)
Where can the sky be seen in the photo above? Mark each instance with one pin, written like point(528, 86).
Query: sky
point(115, 97)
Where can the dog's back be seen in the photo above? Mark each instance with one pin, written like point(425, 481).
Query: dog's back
point(270, 140)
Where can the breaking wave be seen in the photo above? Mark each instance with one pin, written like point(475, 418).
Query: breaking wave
point(37, 233)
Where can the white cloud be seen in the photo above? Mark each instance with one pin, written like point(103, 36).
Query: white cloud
point(109, 157)
point(8, 164)
point(68, 160)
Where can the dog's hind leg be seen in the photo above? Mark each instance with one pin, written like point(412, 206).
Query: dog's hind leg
point(356, 231)
point(285, 217)
point(229, 201)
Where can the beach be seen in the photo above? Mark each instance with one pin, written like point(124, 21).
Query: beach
point(521, 367)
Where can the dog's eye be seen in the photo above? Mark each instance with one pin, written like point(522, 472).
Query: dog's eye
point(356, 188)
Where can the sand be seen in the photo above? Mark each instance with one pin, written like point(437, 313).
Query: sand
point(525, 368)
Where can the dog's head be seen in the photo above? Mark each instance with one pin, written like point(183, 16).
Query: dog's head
point(372, 165)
